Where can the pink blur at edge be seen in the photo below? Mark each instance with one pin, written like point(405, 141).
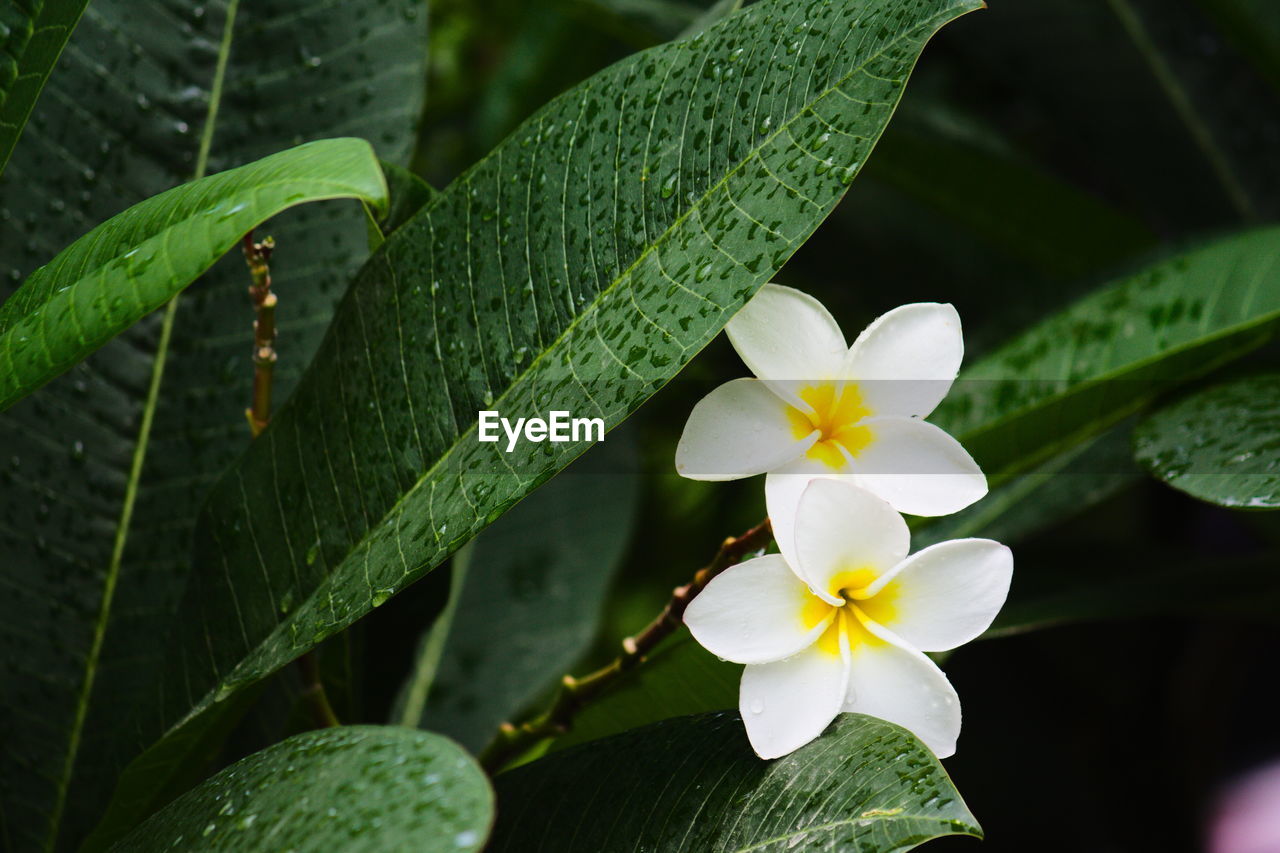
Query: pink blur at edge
point(1247, 818)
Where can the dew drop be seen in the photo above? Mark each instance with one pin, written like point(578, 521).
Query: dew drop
point(669, 186)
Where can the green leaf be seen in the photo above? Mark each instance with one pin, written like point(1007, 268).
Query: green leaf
point(409, 194)
point(32, 35)
point(104, 469)
point(694, 784)
point(576, 268)
point(1109, 354)
point(1221, 445)
point(137, 261)
point(354, 788)
point(537, 579)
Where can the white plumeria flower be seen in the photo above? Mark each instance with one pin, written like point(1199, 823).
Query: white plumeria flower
point(819, 407)
point(839, 620)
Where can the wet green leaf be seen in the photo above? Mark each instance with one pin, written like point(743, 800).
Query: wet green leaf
point(578, 281)
point(354, 788)
point(103, 469)
point(32, 36)
point(137, 261)
point(693, 783)
point(1220, 445)
point(1110, 353)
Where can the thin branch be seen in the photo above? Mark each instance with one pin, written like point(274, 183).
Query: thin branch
point(258, 257)
point(514, 740)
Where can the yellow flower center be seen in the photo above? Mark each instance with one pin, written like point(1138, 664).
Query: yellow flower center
point(857, 605)
point(837, 416)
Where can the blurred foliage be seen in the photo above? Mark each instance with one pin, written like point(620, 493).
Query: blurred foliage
point(493, 62)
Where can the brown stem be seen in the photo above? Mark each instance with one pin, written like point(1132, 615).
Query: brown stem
point(258, 257)
point(512, 741)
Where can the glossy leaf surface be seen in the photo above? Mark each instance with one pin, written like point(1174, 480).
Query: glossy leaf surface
point(354, 788)
point(1110, 353)
point(135, 262)
point(32, 35)
point(1221, 445)
point(693, 784)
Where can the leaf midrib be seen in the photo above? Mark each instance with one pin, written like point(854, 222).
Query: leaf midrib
point(970, 831)
point(932, 25)
point(138, 461)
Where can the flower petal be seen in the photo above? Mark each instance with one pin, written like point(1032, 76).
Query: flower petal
point(783, 333)
point(782, 490)
point(894, 682)
point(842, 530)
point(906, 360)
point(785, 705)
point(917, 467)
point(738, 430)
point(943, 596)
point(756, 612)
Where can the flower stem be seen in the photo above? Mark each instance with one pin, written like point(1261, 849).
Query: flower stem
point(258, 257)
point(513, 740)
